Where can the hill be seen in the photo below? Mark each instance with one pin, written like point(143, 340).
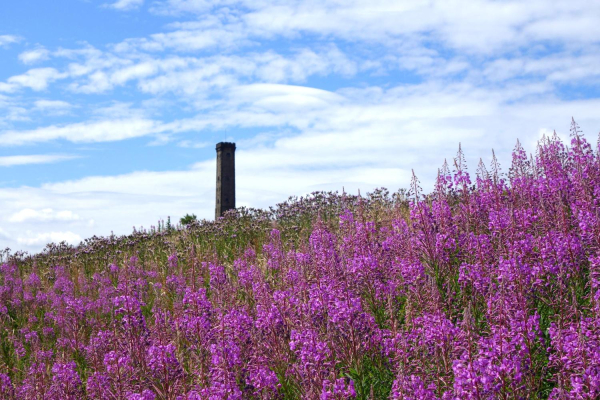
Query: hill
point(482, 289)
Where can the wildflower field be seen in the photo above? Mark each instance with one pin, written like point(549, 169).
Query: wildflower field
point(487, 288)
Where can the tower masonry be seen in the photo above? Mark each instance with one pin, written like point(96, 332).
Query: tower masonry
point(225, 178)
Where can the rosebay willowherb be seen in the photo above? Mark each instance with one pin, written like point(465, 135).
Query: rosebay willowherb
point(486, 288)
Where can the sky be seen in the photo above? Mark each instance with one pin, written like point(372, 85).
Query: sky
point(110, 110)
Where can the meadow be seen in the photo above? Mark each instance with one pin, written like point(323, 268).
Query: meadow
point(486, 288)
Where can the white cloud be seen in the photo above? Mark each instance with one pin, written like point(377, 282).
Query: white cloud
point(41, 239)
point(17, 114)
point(33, 56)
point(100, 73)
point(285, 101)
point(201, 77)
point(47, 214)
point(84, 132)
point(11, 111)
point(119, 110)
point(577, 25)
point(9, 161)
point(125, 5)
point(54, 108)
point(36, 79)
point(98, 82)
point(193, 40)
point(89, 59)
point(273, 67)
point(51, 104)
point(8, 39)
point(193, 145)
point(136, 71)
point(5, 87)
point(171, 7)
point(480, 26)
point(5, 101)
point(405, 27)
point(559, 67)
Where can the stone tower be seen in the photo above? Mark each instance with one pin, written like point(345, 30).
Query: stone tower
point(225, 178)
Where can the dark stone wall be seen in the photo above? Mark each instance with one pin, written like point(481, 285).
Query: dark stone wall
point(225, 178)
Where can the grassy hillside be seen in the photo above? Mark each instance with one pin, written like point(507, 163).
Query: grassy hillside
point(486, 288)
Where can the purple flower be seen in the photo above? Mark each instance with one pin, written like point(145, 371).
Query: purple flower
point(264, 382)
point(7, 390)
point(163, 363)
point(145, 395)
point(173, 261)
point(66, 383)
point(338, 389)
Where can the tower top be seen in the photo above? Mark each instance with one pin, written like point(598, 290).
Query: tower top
point(225, 145)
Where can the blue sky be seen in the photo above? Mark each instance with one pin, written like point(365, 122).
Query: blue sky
point(109, 111)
